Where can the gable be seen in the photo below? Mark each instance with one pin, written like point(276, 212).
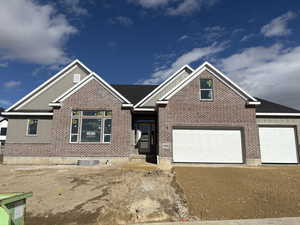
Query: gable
point(86, 81)
point(45, 86)
point(43, 99)
point(152, 101)
point(91, 95)
point(166, 86)
point(218, 75)
point(222, 95)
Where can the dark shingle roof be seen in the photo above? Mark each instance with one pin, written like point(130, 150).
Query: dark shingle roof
point(271, 107)
point(134, 93)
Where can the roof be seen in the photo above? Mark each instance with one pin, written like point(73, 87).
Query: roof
point(134, 93)
point(272, 107)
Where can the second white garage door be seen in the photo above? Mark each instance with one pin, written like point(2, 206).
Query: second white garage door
point(207, 146)
point(278, 145)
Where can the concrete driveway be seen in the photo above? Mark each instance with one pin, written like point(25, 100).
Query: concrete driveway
point(275, 221)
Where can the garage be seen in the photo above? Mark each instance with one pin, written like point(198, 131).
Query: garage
point(278, 145)
point(207, 145)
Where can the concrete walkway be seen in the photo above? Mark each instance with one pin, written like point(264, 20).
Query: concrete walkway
point(277, 221)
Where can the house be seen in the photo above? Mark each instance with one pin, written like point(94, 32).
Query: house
point(3, 130)
point(195, 116)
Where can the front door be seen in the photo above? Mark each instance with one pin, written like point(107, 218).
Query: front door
point(146, 143)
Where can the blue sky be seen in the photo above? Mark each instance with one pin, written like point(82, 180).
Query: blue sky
point(256, 43)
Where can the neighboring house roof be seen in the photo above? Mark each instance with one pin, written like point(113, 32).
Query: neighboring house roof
point(272, 107)
point(134, 93)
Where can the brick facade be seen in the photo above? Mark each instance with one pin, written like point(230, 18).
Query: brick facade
point(227, 109)
point(92, 97)
point(33, 149)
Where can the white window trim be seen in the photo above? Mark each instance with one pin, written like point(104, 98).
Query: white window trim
point(78, 134)
point(278, 114)
point(206, 89)
point(104, 119)
point(27, 129)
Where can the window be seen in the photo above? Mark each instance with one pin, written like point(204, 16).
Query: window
point(3, 131)
point(107, 130)
point(76, 78)
point(206, 89)
point(91, 126)
point(32, 127)
point(91, 130)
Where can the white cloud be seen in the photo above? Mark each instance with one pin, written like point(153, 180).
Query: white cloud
point(12, 84)
point(187, 58)
point(247, 37)
point(269, 72)
point(33, 33)
point(3, 65)
point(213, 33)
point(122, 20)
point(278, 26)
point(150, 3)
point(183, 37)
point(175, 7)
point(73, 6)
point(186, 7)
point(4, 102)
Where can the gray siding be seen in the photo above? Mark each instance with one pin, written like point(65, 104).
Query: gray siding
point(281, 121)
point(168, 87)
point(41, 102)
point(18, 129)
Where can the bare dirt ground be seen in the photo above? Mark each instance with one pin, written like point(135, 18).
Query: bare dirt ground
point(70, 195)
point(240, 192)
point(135, 193)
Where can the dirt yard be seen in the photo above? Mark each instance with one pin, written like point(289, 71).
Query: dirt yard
point(239, 193)
point(65, 195)
point(133, 193)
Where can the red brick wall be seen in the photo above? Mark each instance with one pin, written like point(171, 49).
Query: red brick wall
point(227, 109)
point(92, 97)
point(23, 149)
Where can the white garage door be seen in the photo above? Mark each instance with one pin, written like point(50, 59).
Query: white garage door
point(207, 146)
point(278, 145)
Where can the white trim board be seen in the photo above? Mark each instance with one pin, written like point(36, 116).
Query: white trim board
point(144, 109)
point(162, 85)
point(220, 76)
point(27, 113)
point(31, 94)
point(279, 114)
point(86, 80)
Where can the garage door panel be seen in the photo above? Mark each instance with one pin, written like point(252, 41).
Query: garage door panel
point(278, 145)
point(207, 146)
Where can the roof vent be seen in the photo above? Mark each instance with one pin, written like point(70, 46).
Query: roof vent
point(76, 78)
